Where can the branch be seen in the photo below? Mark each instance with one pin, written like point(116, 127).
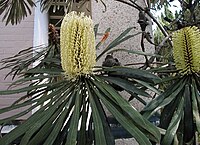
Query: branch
point(159, 26)
point(147, 11)
point(156, 51)
point(138, 8)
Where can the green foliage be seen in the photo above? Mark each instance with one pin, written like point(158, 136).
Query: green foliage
point(180, 114)
point(74, 112)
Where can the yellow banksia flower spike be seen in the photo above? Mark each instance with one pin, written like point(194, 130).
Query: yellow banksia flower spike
point(186, 50)
point(77, 44)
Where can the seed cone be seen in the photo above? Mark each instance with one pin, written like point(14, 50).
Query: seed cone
point(77, 44)
point(186, 50)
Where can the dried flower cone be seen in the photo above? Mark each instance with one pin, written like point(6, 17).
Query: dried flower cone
point(77, 43)
point(186, 50)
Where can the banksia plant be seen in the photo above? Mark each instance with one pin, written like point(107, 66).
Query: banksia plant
point(187, 49)
point(180, 102)
point(72, 111)
point(77, 44)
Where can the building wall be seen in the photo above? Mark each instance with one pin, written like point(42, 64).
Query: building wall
point(12, 40)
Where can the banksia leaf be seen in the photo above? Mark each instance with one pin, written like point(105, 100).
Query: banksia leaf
point(186, 50)
point(77, 44)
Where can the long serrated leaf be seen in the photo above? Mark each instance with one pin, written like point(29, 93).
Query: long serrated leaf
point(29, 88)
point(85, 115)
point(57, 126)
point(17, 132)
point(33, 78)
point(168, 79)
point(49, 121)
point(174, 124)
point(140, 121)
point(133, 73)
point(20, 105)
point(62, 136)
point(188, 115)
point(126, 85)
point(168, 111)
point(123, 120)
point(100, 138)
point(101, 88)
point(111, 93)
point(73, 128)
point(150, 87)
point(55, 71)
point(164, 98)
point(47, 118)
point(62, 100)
point(107, 129)
point(152, 131)
point(116, 42)
point(195, 107)
point(46, 129)
point(53, 96)
point(122, 40)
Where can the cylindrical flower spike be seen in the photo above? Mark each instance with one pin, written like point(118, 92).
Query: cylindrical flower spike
point(186, 50)
point(77, 44)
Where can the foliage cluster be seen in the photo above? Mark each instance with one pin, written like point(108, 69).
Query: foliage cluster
point(73, 111)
